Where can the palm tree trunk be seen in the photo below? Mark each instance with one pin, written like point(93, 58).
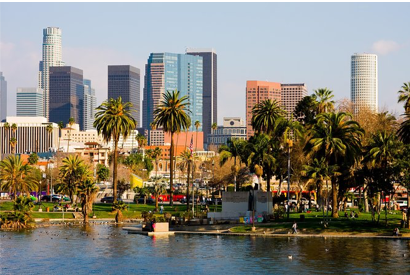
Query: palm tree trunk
point(171, 178)
point(268, 174)
point(114, 173)
point(279, 187)
point(335, 213)
point(187, 187)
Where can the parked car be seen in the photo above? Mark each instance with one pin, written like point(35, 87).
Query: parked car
point(402, 204)
point(55, 198)
point(306, 201)
point(109, 199)
point(148, 201)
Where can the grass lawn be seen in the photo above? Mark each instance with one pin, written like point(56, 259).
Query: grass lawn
point(104, 210)
point(312, 224)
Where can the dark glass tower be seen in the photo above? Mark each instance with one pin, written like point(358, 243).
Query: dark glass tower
point(210, 90)
point(66, 94)
point(124, 81)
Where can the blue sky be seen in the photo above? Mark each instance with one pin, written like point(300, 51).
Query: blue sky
point(279, 42)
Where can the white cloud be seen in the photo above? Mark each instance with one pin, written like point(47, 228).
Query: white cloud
point(384, 47)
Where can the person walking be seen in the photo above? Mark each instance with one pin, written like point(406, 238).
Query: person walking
point(294, 228)
point(161, 209)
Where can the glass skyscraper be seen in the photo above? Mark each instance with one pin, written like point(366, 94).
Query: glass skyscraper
point(30, 102)
point(3, 97)
point(169, 72)
point(89, 105)
point(66, 95)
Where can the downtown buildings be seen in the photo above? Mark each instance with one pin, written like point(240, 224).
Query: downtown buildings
point(89, 105)
point(52, 57)
point(30, 102)
point(3, 97)
point(364, 87)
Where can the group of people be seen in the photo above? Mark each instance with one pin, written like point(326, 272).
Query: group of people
point(352, 215)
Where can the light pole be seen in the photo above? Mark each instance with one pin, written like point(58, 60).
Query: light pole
point(290, 143)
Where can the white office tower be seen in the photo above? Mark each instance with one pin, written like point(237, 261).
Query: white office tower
point(90, 103)
point(30, 102)
point(3, 97)
point(52, 57)
point(364, 83)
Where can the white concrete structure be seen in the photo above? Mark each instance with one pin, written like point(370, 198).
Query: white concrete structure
point(31, 135)
point(52, 57)
point(30, 102)
point(364, 81)
point(3, 97)
point(126, 144)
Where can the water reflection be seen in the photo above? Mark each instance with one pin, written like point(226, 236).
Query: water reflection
point(108, 249)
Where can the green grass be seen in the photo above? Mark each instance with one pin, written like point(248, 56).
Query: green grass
point(104, 210)
point(312, 224)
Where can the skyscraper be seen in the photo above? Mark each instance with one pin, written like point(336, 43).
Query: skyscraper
point(256, 92)
point(30, 102)
point(89, 105)
point(3, 97)
point(52, 57)
point(124, 81)
point(210, 88)
point(291, 94)
point(169, 72)
point(364, 82)
point(66, 95)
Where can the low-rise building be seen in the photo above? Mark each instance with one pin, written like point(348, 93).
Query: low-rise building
point(94, 152)
point(233, 127)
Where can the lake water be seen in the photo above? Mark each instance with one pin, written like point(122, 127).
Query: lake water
point(105, 249)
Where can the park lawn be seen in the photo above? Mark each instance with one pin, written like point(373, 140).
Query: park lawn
point(312, 224)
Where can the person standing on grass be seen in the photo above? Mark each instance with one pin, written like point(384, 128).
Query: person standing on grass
point(161, 209)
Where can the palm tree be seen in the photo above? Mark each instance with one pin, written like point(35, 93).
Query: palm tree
point(233, 150)
point(33, 159)
point(336, 138)
point(72, 173)
point(158, 190)
point(186, 163)
point(214, 127)
point(60, 126)
point(14, 128)
point(142, 142)
point(71, 121)
point(49, 129)
point(113, 119)
point(197, 125)
point(404, 96)
point(119, 206)
point(13, 144)
point(264, 116)
point(13, 175)
point(172, 116)
point(323, 97)
point(404, 130)
point(87, 191)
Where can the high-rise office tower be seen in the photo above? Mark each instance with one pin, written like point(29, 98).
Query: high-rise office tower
point(124, 81)
point(256, 92)
point(66, 95)
point(364, 83)
point(89, 105)
point(3, 97)
point(30, 102)
point(210, 88)
point(52, 57)
point(169, 72)
point(291, 94)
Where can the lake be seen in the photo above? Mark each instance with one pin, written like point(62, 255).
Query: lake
point(106, 249)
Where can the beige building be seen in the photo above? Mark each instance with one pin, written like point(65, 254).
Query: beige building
point(94, 152)
point(74, 134)
point(291, 95)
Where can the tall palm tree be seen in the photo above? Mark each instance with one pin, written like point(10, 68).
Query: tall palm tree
point(87, 191)
point(60, 126)
point(157, 191)
point(197, 125)
point(142, 142)
point(172, 116)
point(324, 96)
point(214, 127)
point(13, 144)
point(404, 130)
point(49, 129)
point(233, 150)
point(336, 138)
point(404, 96)
point(71, 122)
point(13, 176)
point(113, 119)
point(264, 116)
point(186, 163)
point(14, 128)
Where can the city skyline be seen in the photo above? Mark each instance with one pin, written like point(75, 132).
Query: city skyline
point(292, 55)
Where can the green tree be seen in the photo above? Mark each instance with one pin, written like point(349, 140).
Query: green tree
point(87, 191)
point(306, 110)
point(119, 206)
point(186, 163)
point(404, 96)
point(113, 119)
point(13, 175)
point(265, 115)
point(60, 126)
point(13, 144)
point(103, 173)
point(157, 191)
point(233, 150)
point(33, 159)
point(142, 142)
point(404, 130)
point(172, 116)
point(336, 138)
point(323, 97)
